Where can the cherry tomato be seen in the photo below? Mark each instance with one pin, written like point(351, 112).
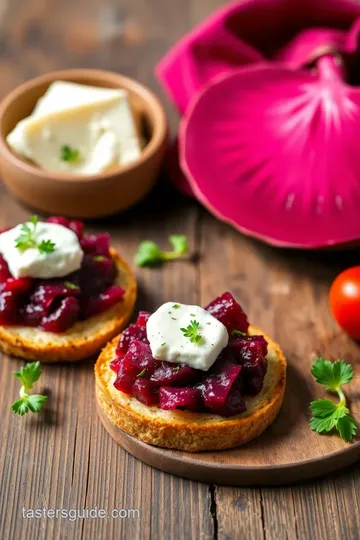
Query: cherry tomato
point(345, 301)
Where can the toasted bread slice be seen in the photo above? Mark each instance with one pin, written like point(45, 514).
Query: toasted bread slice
point(81, 340)
point(183, 430)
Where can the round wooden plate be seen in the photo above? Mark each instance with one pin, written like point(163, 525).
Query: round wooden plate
point(288, 451)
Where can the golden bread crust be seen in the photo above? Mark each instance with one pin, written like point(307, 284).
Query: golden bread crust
point(83, 339)
point(184, 430)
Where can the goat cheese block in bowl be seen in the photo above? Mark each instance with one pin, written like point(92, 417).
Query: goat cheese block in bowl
point(81, 143)
point(192, 378)
point(63, 293)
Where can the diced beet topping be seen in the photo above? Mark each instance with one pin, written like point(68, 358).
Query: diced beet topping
point(124, 382)
point(54, 305)
point(239, 370)
point(4, 270)
point(226, 310)
point(142, 318)
point(138, 360)
point(96, 244)
point(143, 390)
point(180, 398)
point(166, 373)
point(132, 332)
point(63, 317)
point(216, 391)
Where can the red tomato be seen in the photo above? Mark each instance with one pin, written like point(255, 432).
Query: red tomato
point(345, 301)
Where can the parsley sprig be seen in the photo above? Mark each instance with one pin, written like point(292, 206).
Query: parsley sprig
point(192, 332)
point(27, 238)
point(327, 415)
point(149, 253)
point(69, 154)
point(28, 375)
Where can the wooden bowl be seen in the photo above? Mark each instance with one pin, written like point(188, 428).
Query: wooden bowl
point(92, 196)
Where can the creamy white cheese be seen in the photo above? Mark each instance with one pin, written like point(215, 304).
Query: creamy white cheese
point(96, 122)
point(66, 257)
point(169, 342)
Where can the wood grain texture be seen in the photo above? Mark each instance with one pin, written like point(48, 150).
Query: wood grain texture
point(64, 458)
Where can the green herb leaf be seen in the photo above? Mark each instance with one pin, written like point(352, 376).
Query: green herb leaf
point(332, 374)
point(176, 306)
point(347, 428)
point(238, 333)
point(142, 373)
point(163, 344)
point(149, 253)
point(46, 246)
point(69, 154)
point(28, 375)
point(179, 243)
point(327, 415)
point(192, 332)
point(99, 258)
point(177, 368)
point(27, 238)
point(70, 285)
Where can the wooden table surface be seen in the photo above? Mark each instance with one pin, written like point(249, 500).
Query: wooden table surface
point(63, 458)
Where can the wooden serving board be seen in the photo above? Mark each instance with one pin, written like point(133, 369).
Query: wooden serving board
point(288, 451)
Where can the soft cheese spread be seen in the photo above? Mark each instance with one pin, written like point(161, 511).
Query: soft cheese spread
point(78, 129)
point(64, 256)
point(186, 334)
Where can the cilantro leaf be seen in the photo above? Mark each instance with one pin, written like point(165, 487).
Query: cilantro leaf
point(27, 238)
point(327, 415)
point(36, 402)
point(46, 246)
point(238, 333)
point(149, 253)
point(347, 428)
point(28, 375)
point(179, 244)
point(70, 285)
point(332, 374)
point(142, 373)
point(69, 154)
point(192, 332)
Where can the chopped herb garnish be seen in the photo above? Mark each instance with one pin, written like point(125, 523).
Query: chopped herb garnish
point(69, 154)
point(177, 368)
point(99, 258)
point(237, 333)
point(28, 375)
point(163, 344)
point(149, 253)
point(70, 285)
point(142, 373)
point(192, 332)
point(209, 323)
point(176, 306)
point(327, 415)
point(27, 238)
point(174, 318)
point(46, 246)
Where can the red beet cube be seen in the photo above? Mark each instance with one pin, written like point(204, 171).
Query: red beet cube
point(216, 391)
point(144, 391)
point(226, 310)
point(115, 364)
point(132, 332)
point(105, 300)
point(138, 359)
point(179, 398)
point(8, 308)
point(4, 270)
point(142, 318)
point(96, 244)
point(169, 374)
point(63, 317)
point(123, 382)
